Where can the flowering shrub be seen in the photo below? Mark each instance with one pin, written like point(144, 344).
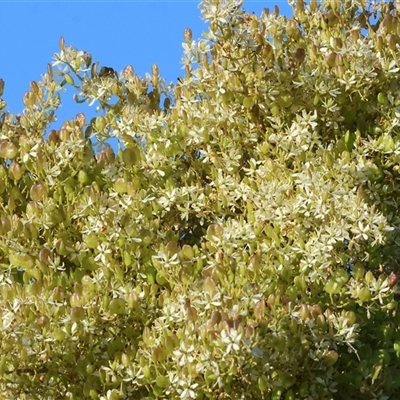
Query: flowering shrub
point(242, 242)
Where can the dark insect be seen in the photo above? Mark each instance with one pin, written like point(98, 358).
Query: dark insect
point(107, 72)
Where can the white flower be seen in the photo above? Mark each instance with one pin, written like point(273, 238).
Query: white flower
point(232, 339)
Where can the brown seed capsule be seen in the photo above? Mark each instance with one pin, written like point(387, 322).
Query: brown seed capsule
point(210, 286)
point(42, 321)
point(249, 332)
point(59, 293)
point(187, 34)
point(34, 87)
point(300, 55)
point(215, 318)
point(53, 137)
point(338, 42)
point(331, 59)
point(191, 314)
point(77, 314)
point(355, 35)
point(62, 43)
point(259, 310)
point(1, 87)
point(219, 256)
point(393, 41)
point(128, 71)
point(392, 279)
point(81, 119)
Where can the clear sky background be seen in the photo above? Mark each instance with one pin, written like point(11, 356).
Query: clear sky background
point(116, 33)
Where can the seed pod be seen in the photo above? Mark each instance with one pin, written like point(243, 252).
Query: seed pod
point(34, 87)
point(369, 277)
point(50, 71)
point(331, 60)
point(191, 314)
point(219, 256)
point(209, 286)
point(304, 312)
point(1, 87)
point(45, 256)
point(15, 171)
point(59, 293)
point(388, 23)
point(268, 54)
point(259, 310)
point(5, 225)
point(68, 79)
point(53, 137)
point(332, 18)
point(337, 42)
point(364, 294)
point(392, 279)
point(393, 41)
point(355, 35)
point(100, 123)
point(38, 192)
point(379, 43)
point(61, 43)
point(8, 150)
point(81, 119)
point(215, 318)
point(300, 55)
point(315, 310)
point(77, 314)
point(64, 134)
point(331, 357)
point(42, 321)
point(292, 29)
point(128, 71)
point(187, 34)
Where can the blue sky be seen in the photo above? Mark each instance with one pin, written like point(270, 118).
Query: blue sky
point(116, 33)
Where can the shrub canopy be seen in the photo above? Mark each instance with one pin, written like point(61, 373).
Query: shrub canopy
point(241, 242)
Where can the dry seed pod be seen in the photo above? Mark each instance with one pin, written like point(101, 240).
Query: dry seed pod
point(53, 137)
point(393, 41)
point(300, 55)
point(50, 71)
point(34, 87)
point(331, 60)
point(215, 318)
point(1, 87)
point(187, 34)
point(392, 279)
point(191, 314)
point(62, 43)
point(81, 119)
point(128, 71)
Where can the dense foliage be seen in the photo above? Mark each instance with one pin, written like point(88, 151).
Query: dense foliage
point(241, 243)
